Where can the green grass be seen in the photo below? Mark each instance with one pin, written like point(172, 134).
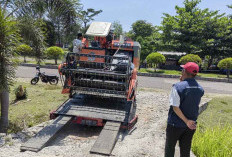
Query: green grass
point(213, 137)
point(175, 72)
point(41, 100)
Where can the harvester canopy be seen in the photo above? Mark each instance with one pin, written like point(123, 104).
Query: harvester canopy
point(100, 29)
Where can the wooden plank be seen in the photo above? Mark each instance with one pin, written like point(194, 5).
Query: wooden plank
point(107, 138)
point(41, 139)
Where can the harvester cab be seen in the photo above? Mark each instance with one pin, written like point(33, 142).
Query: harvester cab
point(101, 81)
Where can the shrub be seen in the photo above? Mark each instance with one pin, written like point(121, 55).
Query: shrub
point(24, 50)
point(55, 53)
point(226, 64)
point(190, 58)
point(20, 92)
point(155, 58)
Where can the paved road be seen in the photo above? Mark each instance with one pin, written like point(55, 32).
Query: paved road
point(145, 82)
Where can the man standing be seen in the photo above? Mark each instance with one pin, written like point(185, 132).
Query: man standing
point(185, 98)
point(77, 43)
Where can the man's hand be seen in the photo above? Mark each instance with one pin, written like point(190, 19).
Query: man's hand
point(191, 124)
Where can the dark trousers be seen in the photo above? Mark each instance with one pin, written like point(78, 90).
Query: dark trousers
point(173, 134)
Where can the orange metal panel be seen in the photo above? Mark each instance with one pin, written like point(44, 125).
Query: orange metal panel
point(136, 62)
point(93, 52)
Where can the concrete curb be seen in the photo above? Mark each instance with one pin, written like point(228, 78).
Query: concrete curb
point(176, 76)
point(203, 106)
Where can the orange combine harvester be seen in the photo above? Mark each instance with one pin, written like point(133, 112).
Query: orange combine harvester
point(101, 82)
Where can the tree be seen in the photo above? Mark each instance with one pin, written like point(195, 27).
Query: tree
point(54, 52)
point(146, 47)
point(142, 32)
point(50, 33)
point(32, 33)
point(193, 30)
point(190, 58)
point(226, 64)
point(87, 15)
point(61, 17)
point(117, 27)
point(24, 50)
point(9, 39)
point(155, 58)
point(141, 28)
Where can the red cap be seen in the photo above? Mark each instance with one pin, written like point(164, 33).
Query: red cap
point(191, 67)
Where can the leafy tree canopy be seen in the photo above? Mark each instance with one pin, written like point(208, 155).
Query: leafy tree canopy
point(54, 52)
point(155, 59)
point(195, 30)
point(24, 50)
point(226, 64)
point(117, 27)
point(190, 58)
point(141, 28)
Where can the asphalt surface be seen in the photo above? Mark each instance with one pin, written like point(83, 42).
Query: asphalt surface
point(144, 82)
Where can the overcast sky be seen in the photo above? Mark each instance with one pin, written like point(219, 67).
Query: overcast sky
point(128, 11)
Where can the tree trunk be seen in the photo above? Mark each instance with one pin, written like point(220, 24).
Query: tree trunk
point(155, 66)
point(85, 25)
point(56, 61)
point(228, 73)
point(210, 61)
point(4, 111)
point(25, 59)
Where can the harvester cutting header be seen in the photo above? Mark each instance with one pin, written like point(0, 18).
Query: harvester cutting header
point(101, 81)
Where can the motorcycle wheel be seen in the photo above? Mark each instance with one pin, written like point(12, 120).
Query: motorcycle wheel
point(34, 80)
point(53, 81)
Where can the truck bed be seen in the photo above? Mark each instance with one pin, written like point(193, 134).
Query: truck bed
point(101, 108)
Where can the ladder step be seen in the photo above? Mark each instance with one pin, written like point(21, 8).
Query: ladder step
point(107, 138)
point(42, 138)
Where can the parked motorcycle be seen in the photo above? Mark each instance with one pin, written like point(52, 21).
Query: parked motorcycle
point(52, 79)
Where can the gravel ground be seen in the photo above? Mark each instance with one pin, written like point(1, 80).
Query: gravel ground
point(146, 139)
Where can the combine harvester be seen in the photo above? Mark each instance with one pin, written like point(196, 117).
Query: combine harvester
point(101, 82)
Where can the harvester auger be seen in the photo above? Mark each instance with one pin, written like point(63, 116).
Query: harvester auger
point(101, 82)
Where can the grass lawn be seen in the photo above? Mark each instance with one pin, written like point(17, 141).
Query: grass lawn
point(213, 137)
point(35, 109)
point(175, 72)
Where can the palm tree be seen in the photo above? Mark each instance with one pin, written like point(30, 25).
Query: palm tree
point(87, 15)
point(8, 42)
point(32, 33)
point(30, 14)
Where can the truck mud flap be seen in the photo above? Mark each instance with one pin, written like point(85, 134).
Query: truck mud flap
point(41, 139)
point(107, 138)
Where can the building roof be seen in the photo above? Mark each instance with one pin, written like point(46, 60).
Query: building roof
point(172, 53)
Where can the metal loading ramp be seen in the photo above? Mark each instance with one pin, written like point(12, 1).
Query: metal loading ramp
point(114, 113)
point(41, 139)
point(107, 138)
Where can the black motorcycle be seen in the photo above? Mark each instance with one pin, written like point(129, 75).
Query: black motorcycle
point(52, 79)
